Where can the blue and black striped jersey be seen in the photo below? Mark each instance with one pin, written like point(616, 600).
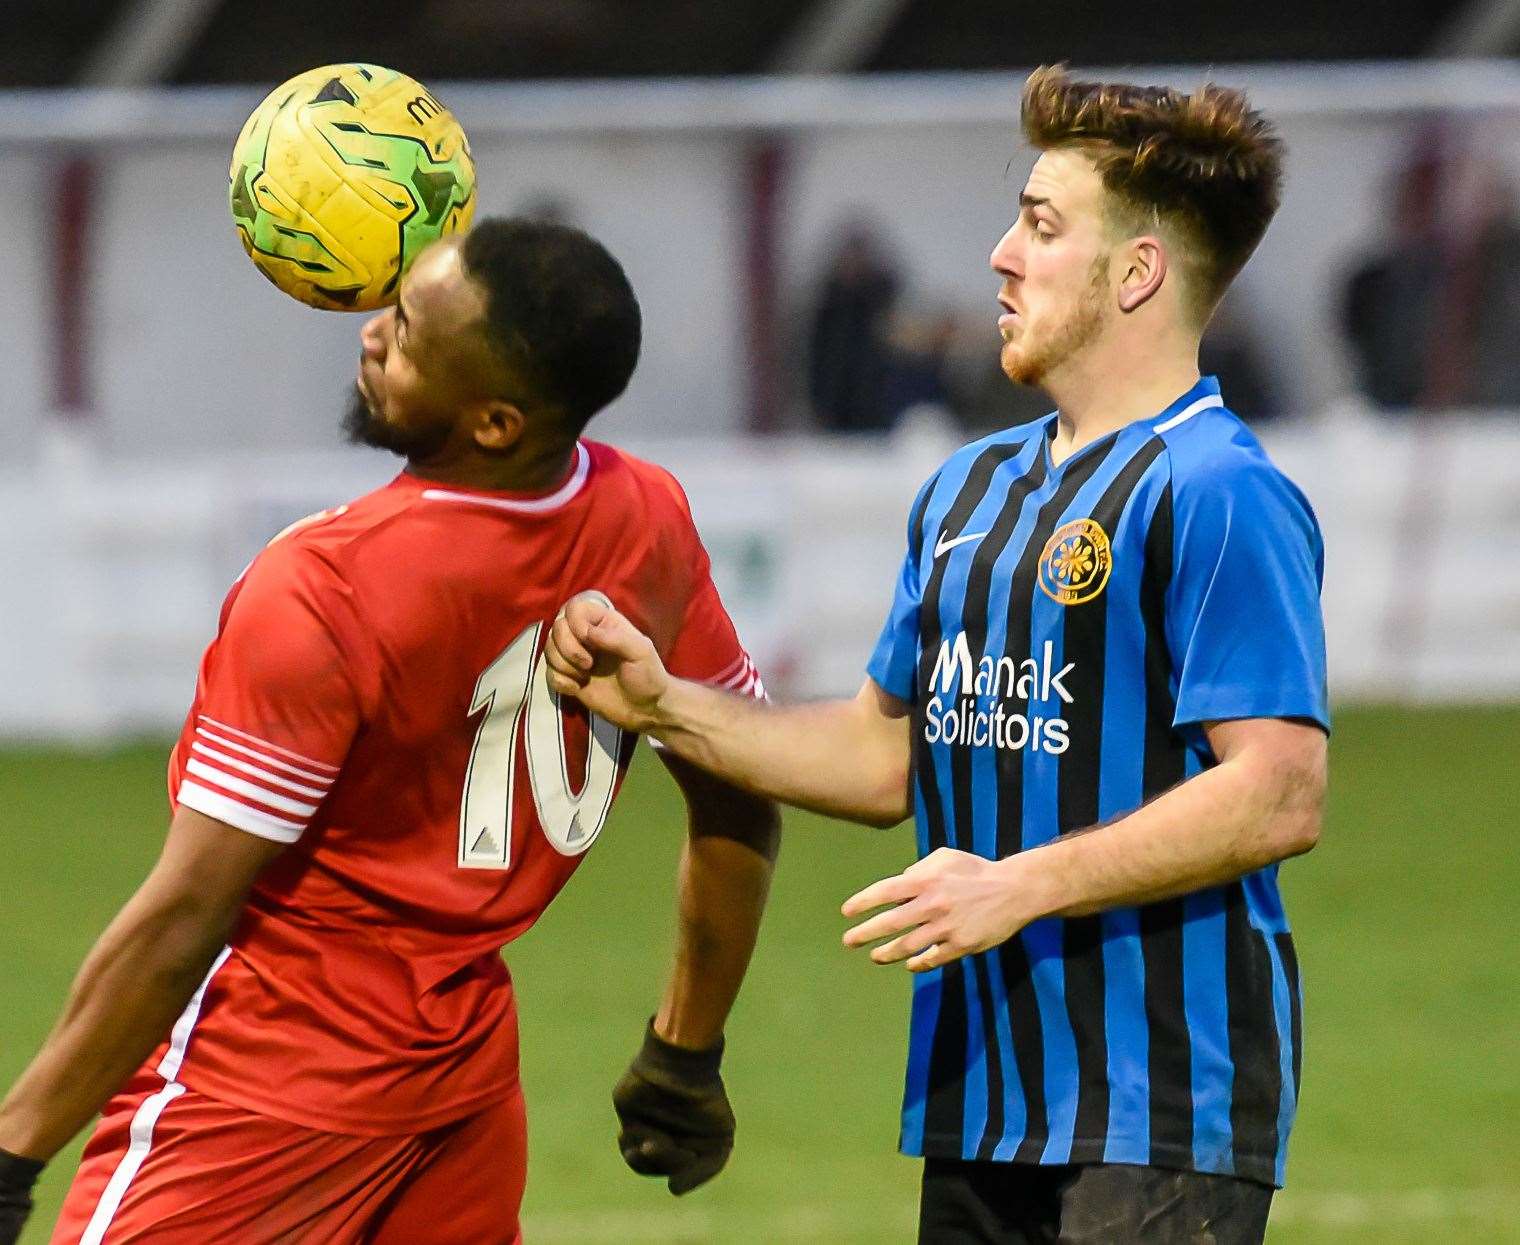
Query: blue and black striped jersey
point(1063, 633)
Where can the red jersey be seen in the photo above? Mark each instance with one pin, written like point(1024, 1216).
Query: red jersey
point(375, 697)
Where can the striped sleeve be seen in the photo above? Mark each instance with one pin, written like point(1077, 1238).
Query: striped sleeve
point(251, 783)
point(275, 709)
point(703, 643)
point(707, 648)
point(1244, 623)
point(742, 677)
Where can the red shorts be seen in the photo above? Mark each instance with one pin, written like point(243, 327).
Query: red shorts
point(173, 1167)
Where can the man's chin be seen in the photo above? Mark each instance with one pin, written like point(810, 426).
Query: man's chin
point(362, 425)
point(358, 418)
point(1020, 366)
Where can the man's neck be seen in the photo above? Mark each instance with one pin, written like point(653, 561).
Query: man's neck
point(1103, 392)
point(536, 469)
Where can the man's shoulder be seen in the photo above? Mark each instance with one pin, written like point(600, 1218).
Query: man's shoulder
point(314, 545)
point(336, 526)
point(615, 463)
point(1220, 471)
point(1216, 450)
point(645, 483)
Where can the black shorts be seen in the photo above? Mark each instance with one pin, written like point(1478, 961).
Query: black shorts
point(984, 1203)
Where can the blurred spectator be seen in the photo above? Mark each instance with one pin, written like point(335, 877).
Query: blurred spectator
point(847, 349)
point(1230, 350)
point(872, 358)
point(1431, 317)
point(917, 363)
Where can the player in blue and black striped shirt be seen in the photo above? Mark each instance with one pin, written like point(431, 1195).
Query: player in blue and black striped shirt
point(1101, 691)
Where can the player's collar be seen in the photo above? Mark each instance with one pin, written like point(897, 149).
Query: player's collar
point(1201, 397)
point(563, 495)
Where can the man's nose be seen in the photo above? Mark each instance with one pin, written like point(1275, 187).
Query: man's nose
point(1006, 254)
point(372, 335)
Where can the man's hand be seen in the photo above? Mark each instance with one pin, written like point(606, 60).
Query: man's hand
point(674, 1114)
point(17, 1176)
point(605, 662)
point(947, 905)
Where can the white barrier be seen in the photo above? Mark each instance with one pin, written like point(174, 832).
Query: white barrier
point(113, 570)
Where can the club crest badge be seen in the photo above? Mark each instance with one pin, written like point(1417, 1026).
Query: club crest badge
point(1075, 562)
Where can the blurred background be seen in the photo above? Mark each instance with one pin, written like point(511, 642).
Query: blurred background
point(805, 193)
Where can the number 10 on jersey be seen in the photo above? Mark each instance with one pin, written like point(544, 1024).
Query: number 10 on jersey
point(515, 697)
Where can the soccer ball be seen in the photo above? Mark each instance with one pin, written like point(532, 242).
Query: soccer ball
point(341, 176)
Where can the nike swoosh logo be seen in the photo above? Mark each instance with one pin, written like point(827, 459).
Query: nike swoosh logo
point(943, 545)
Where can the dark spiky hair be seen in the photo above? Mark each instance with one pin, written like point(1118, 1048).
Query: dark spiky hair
point(560, 313)
point(1205, 163)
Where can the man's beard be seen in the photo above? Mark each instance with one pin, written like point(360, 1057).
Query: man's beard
point(363, 427)
point(1038, 358)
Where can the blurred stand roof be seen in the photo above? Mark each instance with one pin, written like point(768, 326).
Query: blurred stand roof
point(54, 42)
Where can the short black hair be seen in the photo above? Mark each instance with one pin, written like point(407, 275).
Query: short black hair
point(560, 312)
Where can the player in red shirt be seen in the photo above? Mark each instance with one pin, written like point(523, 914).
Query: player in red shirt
point(375, 791)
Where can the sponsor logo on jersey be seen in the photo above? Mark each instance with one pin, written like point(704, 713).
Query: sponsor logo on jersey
point(943, 546)
point(1076, 561)
point(984, 701)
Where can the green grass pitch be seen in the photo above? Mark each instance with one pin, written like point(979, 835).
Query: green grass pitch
point(1405, 917)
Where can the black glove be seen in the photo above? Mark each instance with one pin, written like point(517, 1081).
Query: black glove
point(675, 1116)
point(17, 1176)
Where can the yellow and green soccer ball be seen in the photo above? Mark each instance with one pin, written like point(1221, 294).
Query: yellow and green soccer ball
point(341, 176)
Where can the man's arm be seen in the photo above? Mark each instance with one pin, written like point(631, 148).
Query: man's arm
point(673, 1111)
point(1262, 803)
point(725, 876)
point(135, 981)
point(845, 758)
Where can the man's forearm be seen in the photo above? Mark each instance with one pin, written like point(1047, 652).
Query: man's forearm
point(130, 989)
point(846, 758)
point(1262, 803)
point(830, 757)
point(1217, 826)
point(723, 888)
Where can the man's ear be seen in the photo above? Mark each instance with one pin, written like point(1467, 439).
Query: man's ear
point(499, 425)
point(1144, 273)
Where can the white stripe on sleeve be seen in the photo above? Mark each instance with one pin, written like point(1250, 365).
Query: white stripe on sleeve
point(734, 667)
point(269, 747)
point(241, 786)
point(263, 758)
point(236, 813)
point(739, 680)
point(219, 759)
